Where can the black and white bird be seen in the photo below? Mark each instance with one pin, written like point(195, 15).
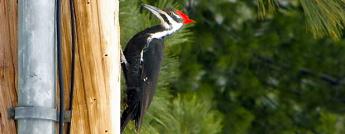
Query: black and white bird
point(141, 61)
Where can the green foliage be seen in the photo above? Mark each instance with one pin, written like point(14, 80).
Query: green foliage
point(234, 74)
point(195, 115)
point(266, 7)
point(267, 76)
point(324, 17)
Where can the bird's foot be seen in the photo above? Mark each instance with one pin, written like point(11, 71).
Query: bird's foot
point(123, 58)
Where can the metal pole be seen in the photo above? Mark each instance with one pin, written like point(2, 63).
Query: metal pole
point(36, 64)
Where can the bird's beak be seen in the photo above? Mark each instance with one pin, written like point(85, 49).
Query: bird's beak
point(156, 11)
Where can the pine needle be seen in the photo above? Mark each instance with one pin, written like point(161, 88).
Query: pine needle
point(323, 17)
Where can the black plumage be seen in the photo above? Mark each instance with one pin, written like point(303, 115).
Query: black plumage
point(141, 73)
point(141, 61)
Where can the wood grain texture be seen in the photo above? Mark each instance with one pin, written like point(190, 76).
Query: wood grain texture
point(96, 106)
point(8, 63)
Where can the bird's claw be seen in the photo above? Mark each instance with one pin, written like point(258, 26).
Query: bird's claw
point(123, 58)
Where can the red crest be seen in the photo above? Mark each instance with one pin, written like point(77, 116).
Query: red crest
point(186, 19)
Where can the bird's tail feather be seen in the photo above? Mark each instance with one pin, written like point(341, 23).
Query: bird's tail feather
point(132, 113)
point(138, 117)
point(126, 117)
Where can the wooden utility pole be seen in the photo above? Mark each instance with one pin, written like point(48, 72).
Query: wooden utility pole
point(96, 106)
point(8, 63)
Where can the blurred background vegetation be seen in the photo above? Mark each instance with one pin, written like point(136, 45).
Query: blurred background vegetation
point(247, 67)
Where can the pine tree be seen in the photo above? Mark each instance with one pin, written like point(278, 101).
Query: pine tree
point(324, 17)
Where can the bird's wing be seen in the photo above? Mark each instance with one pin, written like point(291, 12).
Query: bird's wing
point(152, 57)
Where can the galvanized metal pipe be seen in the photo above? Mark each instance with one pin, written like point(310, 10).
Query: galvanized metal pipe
point(36, 62)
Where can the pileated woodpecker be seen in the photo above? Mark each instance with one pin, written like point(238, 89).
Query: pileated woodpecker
point(141, 62)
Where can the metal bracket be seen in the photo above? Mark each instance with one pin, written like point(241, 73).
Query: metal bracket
point(39, 113)
point(67, 116)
